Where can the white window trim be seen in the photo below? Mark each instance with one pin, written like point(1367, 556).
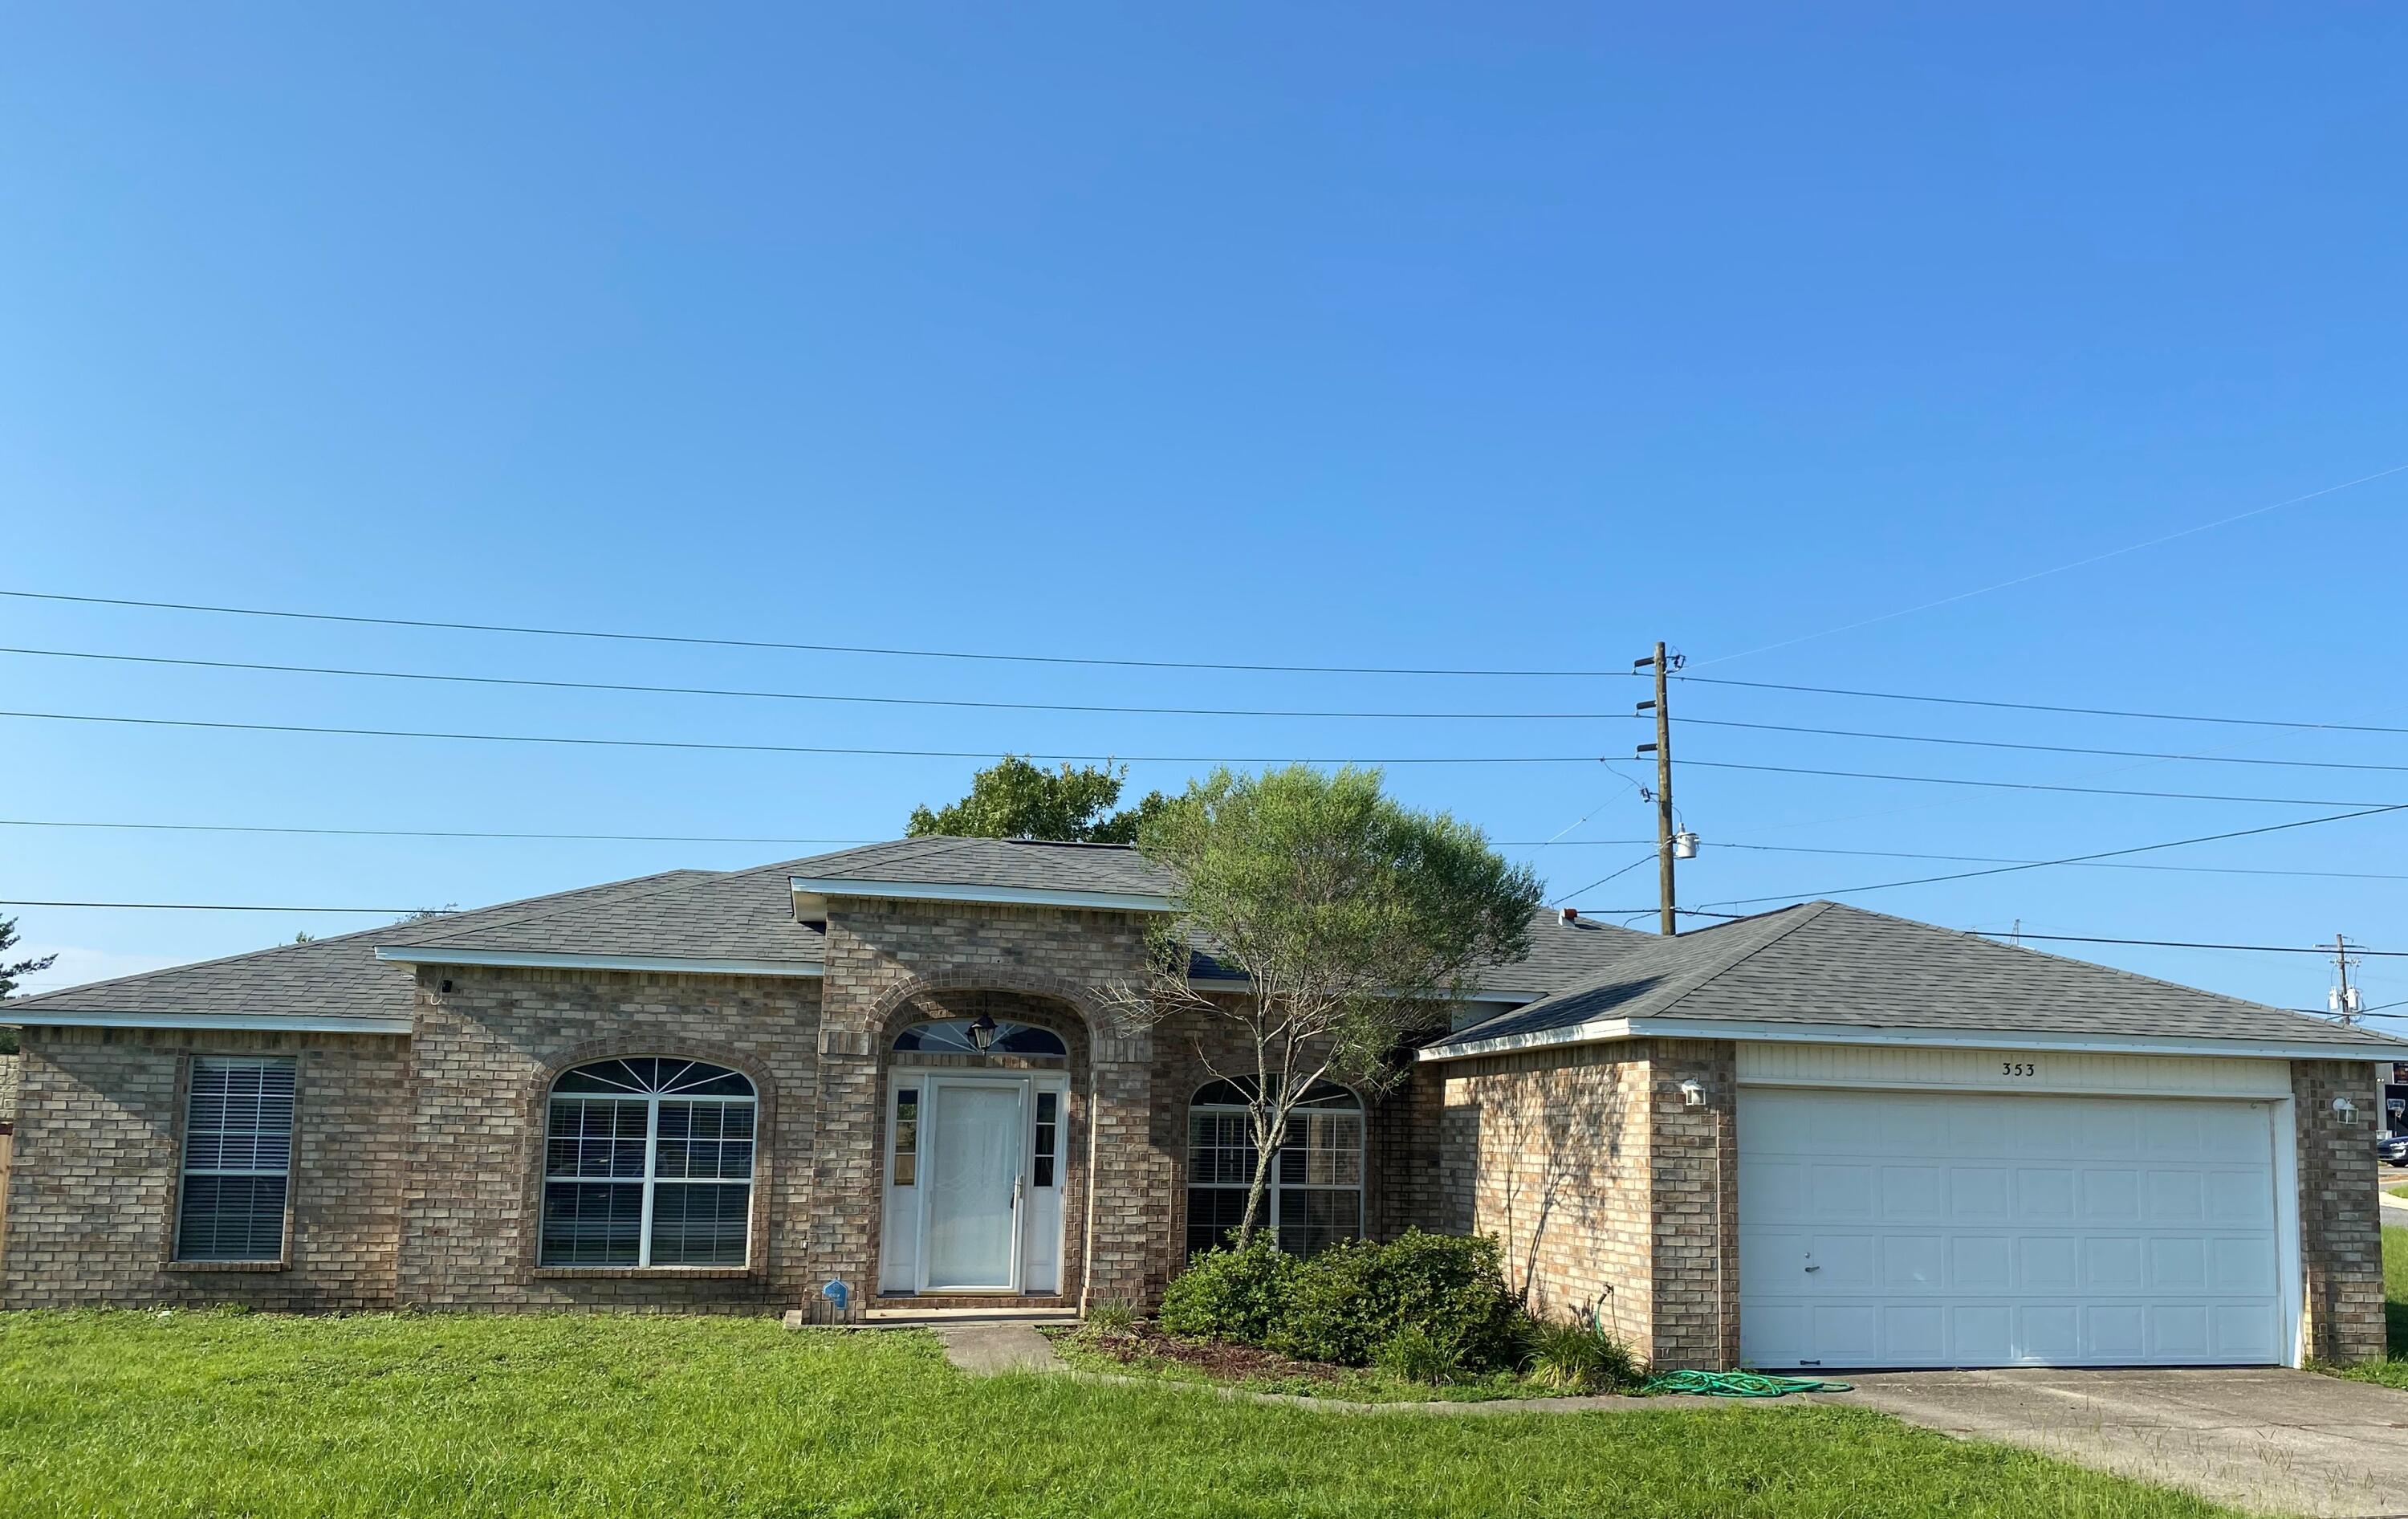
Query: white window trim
point(1275, 1186)
point(651, 1177)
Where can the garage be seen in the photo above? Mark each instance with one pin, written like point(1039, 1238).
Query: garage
point(1929, 1228)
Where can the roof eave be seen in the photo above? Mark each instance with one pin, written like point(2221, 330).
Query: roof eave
point(1607, 1030)
point(548, 960)
point(232, 1022)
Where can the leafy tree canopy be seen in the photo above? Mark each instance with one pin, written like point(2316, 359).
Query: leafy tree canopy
point(1013, 798)
point(1355, 921)
point(10, 974)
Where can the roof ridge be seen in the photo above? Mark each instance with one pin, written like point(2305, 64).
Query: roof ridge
point(434, 941)
point(15, 1002)
point(1812, 910)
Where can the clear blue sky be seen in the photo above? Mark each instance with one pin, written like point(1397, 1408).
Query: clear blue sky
point(1394, 335)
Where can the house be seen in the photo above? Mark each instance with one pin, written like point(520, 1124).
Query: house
point(1819, 1136)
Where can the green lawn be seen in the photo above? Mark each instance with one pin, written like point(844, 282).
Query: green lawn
point(135, 1414)
point(2393, 1372)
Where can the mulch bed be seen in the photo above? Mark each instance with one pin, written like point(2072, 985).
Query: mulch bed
point(1216, 1358)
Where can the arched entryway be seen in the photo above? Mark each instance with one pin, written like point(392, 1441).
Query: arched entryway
point(982, 1163)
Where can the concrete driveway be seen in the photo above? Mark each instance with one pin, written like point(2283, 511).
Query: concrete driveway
point(2274, 1440)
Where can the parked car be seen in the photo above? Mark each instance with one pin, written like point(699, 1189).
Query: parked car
point(2392, 1150)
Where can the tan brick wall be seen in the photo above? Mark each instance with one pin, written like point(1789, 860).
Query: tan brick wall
point(486, 1052)
point(2340, 1231)
point(93, 1204)
point(890, 961)
point(1604, 1188)
point(1548, 1150)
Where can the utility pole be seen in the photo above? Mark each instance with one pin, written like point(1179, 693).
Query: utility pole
point(2343, 999)
point(1663, 752)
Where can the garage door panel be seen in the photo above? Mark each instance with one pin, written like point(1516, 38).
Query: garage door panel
point(2001, 1230)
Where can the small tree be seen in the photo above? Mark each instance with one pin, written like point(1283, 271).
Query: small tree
point(12, 974)
point(1015, 799)
point(1354, 920)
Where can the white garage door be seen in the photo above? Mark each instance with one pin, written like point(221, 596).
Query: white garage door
point(1965, 1230)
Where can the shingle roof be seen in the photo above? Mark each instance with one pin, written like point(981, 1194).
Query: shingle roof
point(1824, 963)
point(333, 977)
point(1020, 862)
point(734, 915)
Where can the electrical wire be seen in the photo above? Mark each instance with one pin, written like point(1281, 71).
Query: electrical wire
point(2035, 749)
point(2041, 707)
point(527, 682)
point(777, 749)
point(1602, 879)
point(224, 907)
point(701, 641)
point(2076, 859)
point(2021, 785)
point(2189, 944)
point(1998, 859)
point(2059, 569)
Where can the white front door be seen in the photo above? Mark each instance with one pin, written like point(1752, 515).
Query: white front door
point(1972, 1229)
point(976, 1134)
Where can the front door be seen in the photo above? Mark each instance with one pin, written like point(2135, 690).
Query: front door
point(972, 1194)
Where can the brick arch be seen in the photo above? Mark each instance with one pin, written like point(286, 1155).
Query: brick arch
point(903, 1003)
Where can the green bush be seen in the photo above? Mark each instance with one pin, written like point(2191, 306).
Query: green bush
point(1416, 1355)
point(1230, 1293)
point(1580, 1357)
point(1348, 1303)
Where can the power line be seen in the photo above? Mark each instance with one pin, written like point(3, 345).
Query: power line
point(2191, 944)
point(781, 748)
point(527, 682)
point(1996, 859)
point(224, 907)
point(423, 832)
point(2059, 569)
point(2022, 785)
point(2036, 749)
point(2043, 706)
point(2076, 859)
point(700, 641)
point(1602, 879)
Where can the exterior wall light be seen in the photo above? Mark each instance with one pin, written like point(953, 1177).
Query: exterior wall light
point(982, 1032)
point(2345, 1110)
point(1692, 1095)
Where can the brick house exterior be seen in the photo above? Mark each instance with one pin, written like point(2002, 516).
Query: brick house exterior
point(1609, 1109)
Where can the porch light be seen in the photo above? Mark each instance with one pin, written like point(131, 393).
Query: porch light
point(982, 1032)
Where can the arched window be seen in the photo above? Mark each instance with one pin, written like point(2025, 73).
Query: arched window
point(961, 1036)
point(1316, 1193)
point(648, 1161)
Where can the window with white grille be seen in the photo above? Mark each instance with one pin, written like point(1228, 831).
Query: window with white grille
point(649, 1162)
point(237, 1159)
point(1315, 1198)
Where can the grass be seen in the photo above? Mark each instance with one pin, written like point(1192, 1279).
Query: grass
point(1263, 1372)
point(2393, 1371)
point(141, 1415)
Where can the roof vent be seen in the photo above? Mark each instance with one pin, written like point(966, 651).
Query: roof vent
point(1572, 914)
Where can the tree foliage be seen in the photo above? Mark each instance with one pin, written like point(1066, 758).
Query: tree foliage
point(1013, 798)
point(1354, 920)
point(10, 974)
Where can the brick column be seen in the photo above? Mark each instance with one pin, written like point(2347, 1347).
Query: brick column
point(2341, 1233)
point(1694, 1161)
point(1129, 1209)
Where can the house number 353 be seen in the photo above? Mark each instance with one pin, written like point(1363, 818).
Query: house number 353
point(2017, 1067)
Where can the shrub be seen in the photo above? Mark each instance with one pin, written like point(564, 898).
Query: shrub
point(1580, 1357)
point(1348, 1301)
point(1110, 1320)
point(1416, 1355)
point(1229, 1294)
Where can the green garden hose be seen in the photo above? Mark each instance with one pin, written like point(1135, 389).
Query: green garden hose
point(1739, 1384)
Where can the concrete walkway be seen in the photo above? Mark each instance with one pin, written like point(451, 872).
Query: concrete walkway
point(989, 1347)
point(2274, 1440)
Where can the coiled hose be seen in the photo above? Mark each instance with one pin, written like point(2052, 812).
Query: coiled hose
point(1739, 1384)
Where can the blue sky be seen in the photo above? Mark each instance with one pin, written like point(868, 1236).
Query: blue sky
point(1392, 336)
